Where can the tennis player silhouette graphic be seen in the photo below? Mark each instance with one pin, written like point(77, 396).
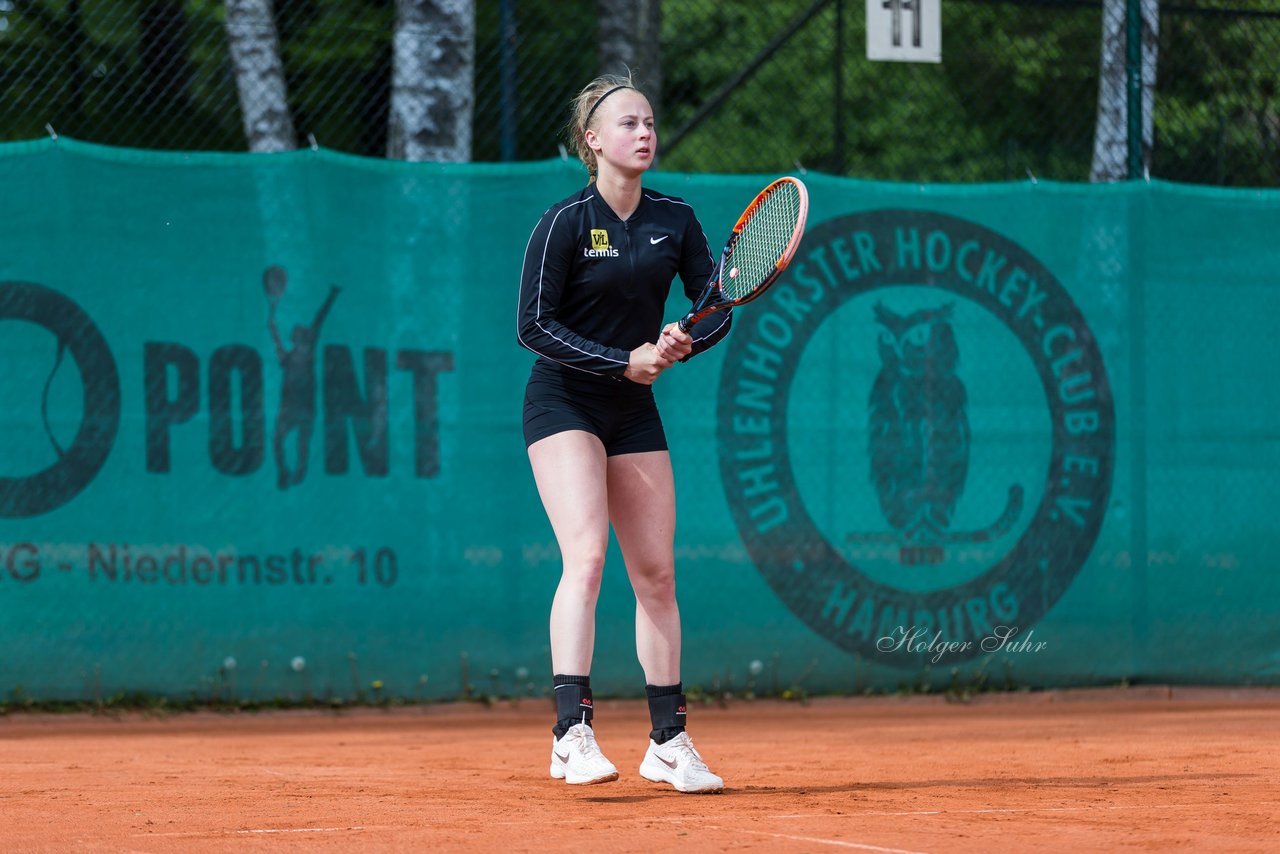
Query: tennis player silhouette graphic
point(297, 412)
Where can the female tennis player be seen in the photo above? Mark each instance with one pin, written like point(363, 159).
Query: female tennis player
point(597, 272)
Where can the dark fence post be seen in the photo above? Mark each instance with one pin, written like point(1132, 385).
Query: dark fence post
point(837, 140)
point(1133, 69)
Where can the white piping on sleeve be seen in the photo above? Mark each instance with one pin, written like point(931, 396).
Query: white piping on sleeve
point(537, 317)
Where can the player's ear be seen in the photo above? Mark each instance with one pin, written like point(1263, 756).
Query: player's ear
point(592, 139)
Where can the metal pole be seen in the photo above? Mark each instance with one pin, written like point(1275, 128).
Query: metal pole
point(507, 76)
point(1133, 69)
point(837, 141)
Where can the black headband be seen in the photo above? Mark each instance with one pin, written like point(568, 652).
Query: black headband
point(591, 112)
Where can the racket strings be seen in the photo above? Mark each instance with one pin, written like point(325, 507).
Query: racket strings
point(762, 242)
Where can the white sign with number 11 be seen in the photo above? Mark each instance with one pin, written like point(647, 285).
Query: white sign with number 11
point(904, 30)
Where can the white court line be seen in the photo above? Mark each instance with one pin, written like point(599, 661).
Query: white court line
point(1098, 808)
point(299, 829)
point(818, 840)
point(220, 832)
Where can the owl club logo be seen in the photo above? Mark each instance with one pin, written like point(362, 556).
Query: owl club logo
point(917, 434)
point(72, 468)
point(919, 438)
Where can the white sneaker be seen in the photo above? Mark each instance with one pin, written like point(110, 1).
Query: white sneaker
point(678, 763)
point(576, 758)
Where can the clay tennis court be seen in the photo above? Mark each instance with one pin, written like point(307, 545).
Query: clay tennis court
point(1137, 769)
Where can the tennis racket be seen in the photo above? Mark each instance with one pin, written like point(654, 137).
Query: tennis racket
point(759, 249)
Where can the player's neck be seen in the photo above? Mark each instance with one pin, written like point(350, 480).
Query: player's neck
point(620, 192)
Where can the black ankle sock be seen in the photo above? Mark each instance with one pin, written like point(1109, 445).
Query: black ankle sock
point(573, 702)
point(666, 711)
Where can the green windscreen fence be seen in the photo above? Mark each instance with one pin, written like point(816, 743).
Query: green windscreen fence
point(260, 435)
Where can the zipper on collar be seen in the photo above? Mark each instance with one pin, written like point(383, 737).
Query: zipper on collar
point(631, 252)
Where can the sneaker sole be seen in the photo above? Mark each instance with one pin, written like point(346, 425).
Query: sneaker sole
point(559, 774)
point(654, 775)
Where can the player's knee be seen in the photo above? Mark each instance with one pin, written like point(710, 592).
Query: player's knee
point(584, 570)
point(655, 583)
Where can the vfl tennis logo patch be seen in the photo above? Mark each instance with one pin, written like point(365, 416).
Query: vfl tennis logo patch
point(600, 247)
point(916, 432)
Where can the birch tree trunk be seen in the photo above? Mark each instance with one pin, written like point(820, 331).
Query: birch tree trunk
point(1110, 142)
point(255, 58)
point(432, 81)
point(629, 38)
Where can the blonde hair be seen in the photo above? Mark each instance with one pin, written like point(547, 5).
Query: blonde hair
point(583, 114)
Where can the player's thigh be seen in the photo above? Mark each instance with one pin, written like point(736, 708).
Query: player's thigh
point(642, 508)
point(570, 470)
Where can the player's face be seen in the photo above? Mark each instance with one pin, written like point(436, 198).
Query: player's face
point(625, 139)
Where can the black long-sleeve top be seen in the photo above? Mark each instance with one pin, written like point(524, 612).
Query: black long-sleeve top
point(594, 287)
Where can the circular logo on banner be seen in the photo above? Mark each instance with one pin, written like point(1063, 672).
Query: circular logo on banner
point(78, 464)
point(917, 435)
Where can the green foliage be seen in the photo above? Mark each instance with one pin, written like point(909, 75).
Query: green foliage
point(1217, 117)
point(550, 56)
point(1015, 93)
point(337, 62)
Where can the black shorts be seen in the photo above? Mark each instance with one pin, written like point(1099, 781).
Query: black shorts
point(622, 414)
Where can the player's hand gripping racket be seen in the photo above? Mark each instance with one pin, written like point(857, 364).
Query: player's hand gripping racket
point(762, 244)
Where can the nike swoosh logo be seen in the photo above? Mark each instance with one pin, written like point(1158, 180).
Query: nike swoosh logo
point(565, 758)
point(671, 765)
point(656, 240)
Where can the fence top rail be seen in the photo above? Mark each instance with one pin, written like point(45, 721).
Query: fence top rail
point(320, 154)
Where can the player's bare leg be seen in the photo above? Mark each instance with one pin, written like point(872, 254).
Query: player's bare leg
point(569, 469)
point(642, 509)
